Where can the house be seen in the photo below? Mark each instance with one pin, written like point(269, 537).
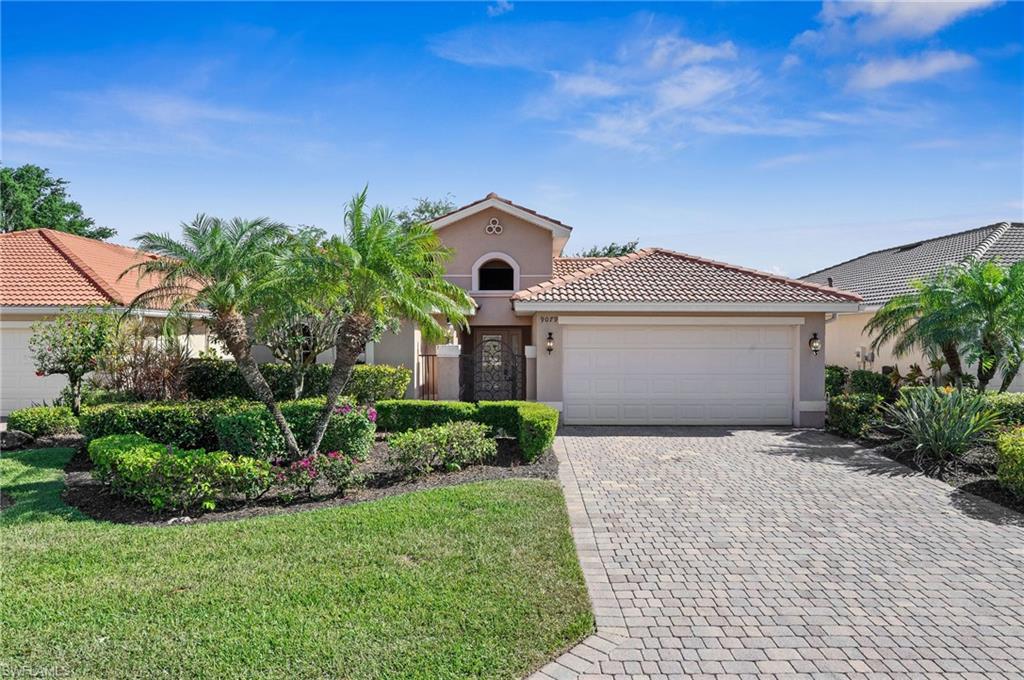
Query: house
point(44, 271)
point(655, 337)
point(881, 275)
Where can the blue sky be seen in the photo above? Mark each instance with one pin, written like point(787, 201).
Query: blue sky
point(780, 136)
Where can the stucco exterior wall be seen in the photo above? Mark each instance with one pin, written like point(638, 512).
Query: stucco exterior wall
point(527, 245)
point(811, 387)
point(401, 349)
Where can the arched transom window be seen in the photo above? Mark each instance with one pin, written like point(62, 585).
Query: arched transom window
point(496, 272)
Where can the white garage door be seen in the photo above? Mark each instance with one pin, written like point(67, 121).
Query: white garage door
point(19, 384)
point(678, 375)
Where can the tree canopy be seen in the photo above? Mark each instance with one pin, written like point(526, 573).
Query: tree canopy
point(425, 210)
point(32, 198)
point(613, 249)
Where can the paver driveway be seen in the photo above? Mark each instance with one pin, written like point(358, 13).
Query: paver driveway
point(728, 553)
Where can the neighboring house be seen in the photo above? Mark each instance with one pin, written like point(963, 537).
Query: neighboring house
point(43, 271)
point(656, 337)
point(880, 276)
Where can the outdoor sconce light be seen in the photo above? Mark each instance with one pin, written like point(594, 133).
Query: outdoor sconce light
point(550, 343)
point(815, 344)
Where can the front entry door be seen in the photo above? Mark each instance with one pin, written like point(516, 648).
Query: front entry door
point(494, 369)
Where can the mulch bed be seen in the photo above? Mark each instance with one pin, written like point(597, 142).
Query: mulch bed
point(377, 479)
point(975, 474)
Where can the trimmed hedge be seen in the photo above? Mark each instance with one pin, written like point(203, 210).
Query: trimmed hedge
point(835, 379)
point(237, 426)
point(532, 424)
point(1010, 465)
point(43, 421)
point(220, 379)
point(852, 415)
point(868, 382)
point(1009, 405)
point(186, 424)
point(252, 431)
point(169, 478)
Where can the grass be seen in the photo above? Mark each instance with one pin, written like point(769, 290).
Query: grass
point(478, 580)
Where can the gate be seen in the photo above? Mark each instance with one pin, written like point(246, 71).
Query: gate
point(493, 371)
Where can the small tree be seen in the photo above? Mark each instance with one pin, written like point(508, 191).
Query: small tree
point(70, 345)
point(296, 339)
point(424, 211)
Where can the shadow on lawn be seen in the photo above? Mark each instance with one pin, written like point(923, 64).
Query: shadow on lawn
point(30, 501)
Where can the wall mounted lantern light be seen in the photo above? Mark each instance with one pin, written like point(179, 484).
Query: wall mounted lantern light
point(815, 344)
point(549, 344)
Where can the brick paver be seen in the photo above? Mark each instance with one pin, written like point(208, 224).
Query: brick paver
point(725, 553)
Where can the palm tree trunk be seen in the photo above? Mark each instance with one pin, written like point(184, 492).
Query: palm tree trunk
point(349, 343)
point(1009, 375)
point(952, 356)
point(988, 363)
point(232, 331)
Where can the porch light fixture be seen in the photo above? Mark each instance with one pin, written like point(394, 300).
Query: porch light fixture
point(815, 344)
point(549, 344)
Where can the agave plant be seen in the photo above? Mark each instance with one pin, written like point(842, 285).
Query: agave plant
point(941, 424)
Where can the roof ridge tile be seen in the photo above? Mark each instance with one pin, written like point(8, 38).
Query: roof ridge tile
point(53, 237)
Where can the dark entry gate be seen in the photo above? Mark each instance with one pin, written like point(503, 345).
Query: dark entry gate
point(493, 371)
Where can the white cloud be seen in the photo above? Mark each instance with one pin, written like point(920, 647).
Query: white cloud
point(586, 85)
point(674, 51)
point(790, 61)
point(175, 110)
point(695, 86)
point(872, 22)
point(499, 8)
point(881, 73)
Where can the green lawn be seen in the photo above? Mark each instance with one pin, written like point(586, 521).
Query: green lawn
point(470, 581)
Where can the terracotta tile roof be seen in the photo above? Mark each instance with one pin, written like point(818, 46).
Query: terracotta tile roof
point(656, 275)
point(567, 265)
point(496, 197)
point(43, 267)
point(881, 275)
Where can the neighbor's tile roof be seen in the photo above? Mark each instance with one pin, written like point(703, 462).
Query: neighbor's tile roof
point(43, 267)
point(567, 265)
point(656, 275)
point(884, 274)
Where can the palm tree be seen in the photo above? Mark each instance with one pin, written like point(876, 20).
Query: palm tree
point(227, 269)
point(923, 319)
point(989, 304)
point(379, 273)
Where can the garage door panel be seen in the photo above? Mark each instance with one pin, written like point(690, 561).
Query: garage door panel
point(690, 375)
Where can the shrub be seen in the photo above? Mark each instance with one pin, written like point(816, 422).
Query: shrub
point(333, 467)
point(448, 447)
point(835, 379)
point(941, 424)
point(70, 345)
point(1009, 406)
point(252, 431)
point(188, 424)
point(43, 421)
point(852, 415)
point(532, 424)
point(169, 478)
point(537, 427)
point(218, 379)
point(869, 382)
point(400, 415)
point(1010, 466)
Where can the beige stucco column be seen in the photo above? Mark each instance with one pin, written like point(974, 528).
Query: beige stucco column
point(448, 372)
point(530, 352)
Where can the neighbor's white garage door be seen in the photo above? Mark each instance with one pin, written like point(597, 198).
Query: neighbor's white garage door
point(19, 384)
point(678, 375)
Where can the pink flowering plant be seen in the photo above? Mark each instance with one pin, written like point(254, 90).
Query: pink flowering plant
point(333, 468)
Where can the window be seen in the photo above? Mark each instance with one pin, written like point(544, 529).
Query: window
point(496, 275)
